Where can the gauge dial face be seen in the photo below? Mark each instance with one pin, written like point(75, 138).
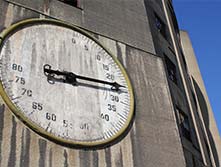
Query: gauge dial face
point(64, 84)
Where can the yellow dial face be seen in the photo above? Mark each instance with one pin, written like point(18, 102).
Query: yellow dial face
point(64, 84)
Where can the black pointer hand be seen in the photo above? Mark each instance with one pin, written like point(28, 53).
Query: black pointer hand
point(71, 78)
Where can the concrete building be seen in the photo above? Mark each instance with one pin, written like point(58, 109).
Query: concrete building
point(173, 123)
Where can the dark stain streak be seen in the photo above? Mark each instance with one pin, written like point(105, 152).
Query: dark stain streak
point(42, 149)
point(12, 155)
point(33, 58)
point(134, 147)
point(8, 49)
point(46, 5)
point(108, 157)
point(128, 54)
point(95, 159)
point(65, 159)
point(19, 13)
point(63, 53)
point(119, 161)
point(25, 149)
point(50, 158)
point(84, 158)
point(22, 149)
point(2, 109)
point(3, 9)
point(119, 53)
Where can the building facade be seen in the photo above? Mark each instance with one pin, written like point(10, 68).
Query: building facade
point(173, 123)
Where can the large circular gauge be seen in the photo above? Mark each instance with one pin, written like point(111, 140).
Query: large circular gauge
point(64, 84)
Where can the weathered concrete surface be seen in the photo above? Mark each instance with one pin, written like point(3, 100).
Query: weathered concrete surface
point(123, 20)
point(153, 140)
point(157, 120)
point(207, 113)
point(127, 28)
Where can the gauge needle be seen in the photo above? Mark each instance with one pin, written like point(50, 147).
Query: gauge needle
point(71, 78)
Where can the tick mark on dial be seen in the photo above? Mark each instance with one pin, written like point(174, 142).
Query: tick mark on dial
point(31, 113)
point(125, 103)
point(48, 126)
point(115, 128)
point(123, 118)
point(14, 98)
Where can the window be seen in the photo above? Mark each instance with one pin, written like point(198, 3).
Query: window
point(194, 98)
point(159, 3)
point(174, 20)
point(193, 160)
point(171, 69)
point(184, 60)
point(184, 124)
point(74, 3)
point(208, 150)
point(161, 27)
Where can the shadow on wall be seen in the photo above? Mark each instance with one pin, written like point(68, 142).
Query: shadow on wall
point(205, 114)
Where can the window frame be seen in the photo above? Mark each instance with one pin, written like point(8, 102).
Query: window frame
point(171, 70)
point(184, 124)
point(74, 3)
point(160, 26)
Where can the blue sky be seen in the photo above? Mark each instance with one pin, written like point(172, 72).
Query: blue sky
point(202, 20)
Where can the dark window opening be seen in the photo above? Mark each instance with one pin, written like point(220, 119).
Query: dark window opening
point(159, 3)
point(193, 161)
point(194, 99)
point(208, 150)
point(161, 27)
point(171, 69)
point(74, 3)
point(184, 60)
point(174, 20)
point(184, 125)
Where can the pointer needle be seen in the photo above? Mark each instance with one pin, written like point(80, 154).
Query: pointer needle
point(71, 78)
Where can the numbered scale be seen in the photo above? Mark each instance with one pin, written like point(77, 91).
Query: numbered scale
point(64, 84)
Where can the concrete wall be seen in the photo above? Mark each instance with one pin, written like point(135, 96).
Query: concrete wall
point(123, 20)
point(166, 49)
point(208, 120)
point(123, 27)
